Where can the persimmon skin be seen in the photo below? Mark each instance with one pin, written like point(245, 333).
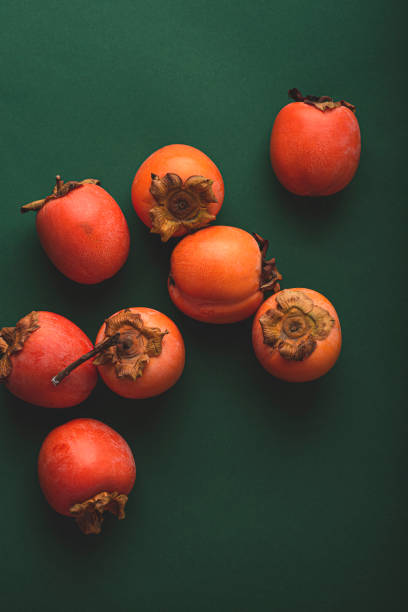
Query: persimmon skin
point(82, 458)
point(85, 234)
point(317, 364)
point(314, 152)
point(180, 159)
point(215, 275)
point(50, 348)
point(162, 372)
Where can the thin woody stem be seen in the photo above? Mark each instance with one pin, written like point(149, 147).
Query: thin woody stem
point(98, 348)
point(59, 183)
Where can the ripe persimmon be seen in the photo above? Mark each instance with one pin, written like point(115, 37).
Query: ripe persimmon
point(219, 274)
point(86, 468)
point(176, 190)
point(315, 145)
point(296, 335)
point(82, 230)
point(139, 353)
point(40, 344)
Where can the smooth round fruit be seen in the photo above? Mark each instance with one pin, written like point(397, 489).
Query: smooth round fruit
point(86, 468)
point(296, 335)
point(176, 190)
point(42, 344)
point(315, 146)
point(219, 274)
point(149, 357)
point(83, 231)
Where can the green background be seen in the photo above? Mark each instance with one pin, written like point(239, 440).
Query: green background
point(252, 494)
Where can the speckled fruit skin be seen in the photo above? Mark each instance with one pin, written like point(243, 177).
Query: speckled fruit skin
point(85, 234)
point(162, 372)
point(82, 458)
point(179, 159)
point(315, 153)
point(47, 351)
point(215, 275)
point(317, 364)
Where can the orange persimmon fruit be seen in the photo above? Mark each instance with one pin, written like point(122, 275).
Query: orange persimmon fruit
point(315, 145)
point(176, 190)
point(296, 335)
point(82, 230)
point(85, 469)
point(139, 353)
point(31, 352)
point(219, 274)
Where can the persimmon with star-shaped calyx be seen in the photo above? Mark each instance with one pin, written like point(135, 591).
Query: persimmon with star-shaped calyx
point(296, 335)
point(176, 190)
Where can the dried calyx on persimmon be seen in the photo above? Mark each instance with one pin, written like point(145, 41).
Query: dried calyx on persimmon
point(176, 190)
point(180, 205)
point(136, 345)
point(296, 335)
point(296, 325)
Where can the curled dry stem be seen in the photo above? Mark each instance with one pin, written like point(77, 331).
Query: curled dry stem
point(323, 103)
point(60, 190)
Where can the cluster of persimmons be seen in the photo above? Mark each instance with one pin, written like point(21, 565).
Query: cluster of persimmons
point(218, 275)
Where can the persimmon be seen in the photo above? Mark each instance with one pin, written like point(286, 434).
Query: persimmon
point(86, 468)
point(219, 274)
point(176, 190)
point(82, 230)
point(296, 335)
point(40, 344)
point(315, 145)
point(139, 353)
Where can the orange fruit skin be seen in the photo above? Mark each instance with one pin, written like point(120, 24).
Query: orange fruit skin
point(215, 275)
point(48, 350)
point(318, 363)
point(179, 159)
point(85, 234)
point(82, 458)
point(161, 372)
point(315, 153)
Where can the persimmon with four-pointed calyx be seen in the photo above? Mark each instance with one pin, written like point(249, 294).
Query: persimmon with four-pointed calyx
point(82, 230)
point(35, 349)
point(315, 145)
point(176, 190)
point(139, 353)
point(219, 274)
point(296, 335)
point(85, 469)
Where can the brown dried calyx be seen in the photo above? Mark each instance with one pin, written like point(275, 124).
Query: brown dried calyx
point(136, 345)
point(270, 275)
point(12, 340)
point(89, 514)
point(60, 190)
point(323, 103)
point(180, 205)
point(296, 325)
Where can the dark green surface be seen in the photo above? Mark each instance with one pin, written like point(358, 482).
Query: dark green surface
point(251, 494)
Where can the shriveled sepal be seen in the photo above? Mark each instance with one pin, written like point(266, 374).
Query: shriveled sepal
point(323, 103)
point(270, 275)
point(89, 514)
point(296, 325)
point(12, 340)
point(180, 205)
point(60, 190)
point(136, 346)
